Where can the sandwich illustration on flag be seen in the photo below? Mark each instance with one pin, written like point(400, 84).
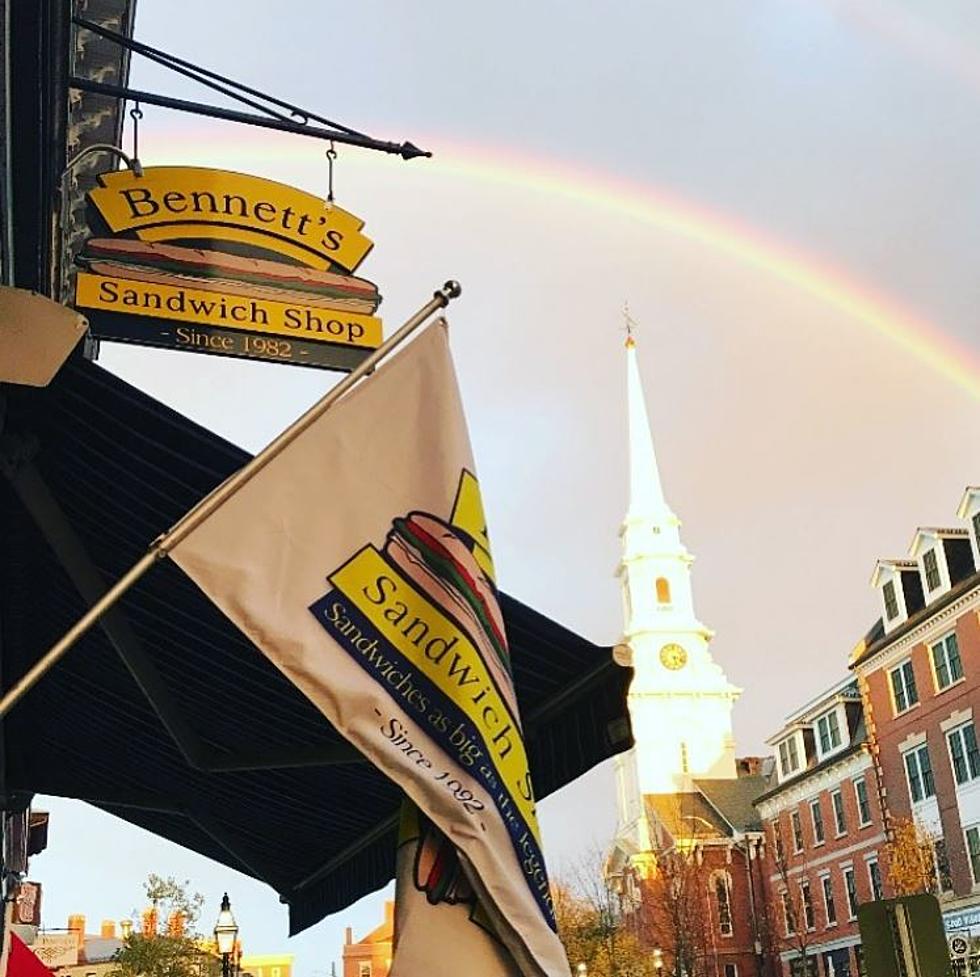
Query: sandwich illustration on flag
point(379, 601)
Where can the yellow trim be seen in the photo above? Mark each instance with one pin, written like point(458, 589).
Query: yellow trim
point(193, 305)
point(182, 198)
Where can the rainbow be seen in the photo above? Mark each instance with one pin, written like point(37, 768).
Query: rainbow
point(920, 338)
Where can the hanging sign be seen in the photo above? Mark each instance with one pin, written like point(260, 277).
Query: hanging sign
point(218, 262)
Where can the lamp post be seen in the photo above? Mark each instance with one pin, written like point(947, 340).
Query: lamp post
point(225, 935)
point(658, 960)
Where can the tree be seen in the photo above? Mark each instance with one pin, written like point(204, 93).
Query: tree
point(915, 859)
point(674, 910)
point(592, 926)
point(792, 920)
point(178, 950)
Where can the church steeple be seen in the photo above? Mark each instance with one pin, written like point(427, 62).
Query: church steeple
point(656, 566)
point(646, 491)
point(680, 701)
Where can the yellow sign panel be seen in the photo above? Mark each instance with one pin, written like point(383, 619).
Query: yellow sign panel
point(187, 202)
point(447, 657)
point(227, 310)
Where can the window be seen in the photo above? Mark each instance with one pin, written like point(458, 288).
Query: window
point(891, 600)
point(946, 661)
point(852, 894)
point(976, 527)
point(931, 566)
point(940, 860)
point(903, 687)
point(828, 731)
point(964, 754)
point(828, 900)
point(874, 875)
point(789, 914)
point(806, 901)
point(777, 840)
point(364, 968)
point(794, 820)
point(663, 590)
point(919, 771)
point(864, 809)
point(973, 850)
point(724, 905)
point(816, 815)
point(859, 957)
point(789, 757)
point(731, 970)
point(840, 822)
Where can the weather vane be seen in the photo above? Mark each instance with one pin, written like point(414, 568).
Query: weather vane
point(630, 323)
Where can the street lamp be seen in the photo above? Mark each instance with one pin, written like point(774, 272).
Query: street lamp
point(658, 960)
point(581, 970)
point(225, 935)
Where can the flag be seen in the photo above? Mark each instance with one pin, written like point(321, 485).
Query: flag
point(441, 927)
point(358, 561)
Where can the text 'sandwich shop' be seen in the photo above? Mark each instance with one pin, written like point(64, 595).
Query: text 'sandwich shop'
point(217, 262)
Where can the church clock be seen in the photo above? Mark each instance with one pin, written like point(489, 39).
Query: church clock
point(673, 656)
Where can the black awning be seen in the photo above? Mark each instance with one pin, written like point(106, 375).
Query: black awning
point(167, 716)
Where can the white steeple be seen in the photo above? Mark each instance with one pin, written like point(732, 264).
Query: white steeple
point(680, 701)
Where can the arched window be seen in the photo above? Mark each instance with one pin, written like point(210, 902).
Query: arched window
point(724, 900)
point(663, 590)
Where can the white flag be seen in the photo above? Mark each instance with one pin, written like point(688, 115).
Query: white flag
point(358, 561)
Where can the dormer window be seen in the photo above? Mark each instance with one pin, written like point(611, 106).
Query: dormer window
point(931, 566)
point(975, 522)
point(891, 600)
point(828, 732)
point(789, 757)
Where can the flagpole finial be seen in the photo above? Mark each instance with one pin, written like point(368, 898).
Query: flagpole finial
point(451, 290)
point(630, 323)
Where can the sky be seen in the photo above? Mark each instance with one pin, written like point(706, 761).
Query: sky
point(786, 192)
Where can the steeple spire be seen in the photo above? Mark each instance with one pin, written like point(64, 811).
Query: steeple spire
point(646, 491)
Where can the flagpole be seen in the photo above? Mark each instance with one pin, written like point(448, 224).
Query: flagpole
point(162, 545)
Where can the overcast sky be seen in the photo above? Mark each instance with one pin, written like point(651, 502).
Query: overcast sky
point(787, 193)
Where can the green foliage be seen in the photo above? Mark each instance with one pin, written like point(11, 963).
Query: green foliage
point(163, 956)
point(168, 952)
point(168, 896)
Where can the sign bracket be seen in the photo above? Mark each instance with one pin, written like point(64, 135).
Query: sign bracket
point(276, 113)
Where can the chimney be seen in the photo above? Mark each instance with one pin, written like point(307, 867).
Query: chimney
point(389, 912)
point(348, 936)
point(76, 925)
point(148, 921)
point(108, 931)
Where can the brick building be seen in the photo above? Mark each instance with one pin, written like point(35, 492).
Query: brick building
point(825, 835)
point(919, 673)
point(371, 955)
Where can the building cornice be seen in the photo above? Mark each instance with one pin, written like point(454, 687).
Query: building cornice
point(826, 776)
point(898, 644)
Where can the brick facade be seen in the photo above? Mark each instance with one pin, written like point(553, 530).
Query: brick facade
point(922, 731)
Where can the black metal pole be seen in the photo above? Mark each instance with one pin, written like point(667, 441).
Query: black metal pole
point(225, 965)
point(406, 150)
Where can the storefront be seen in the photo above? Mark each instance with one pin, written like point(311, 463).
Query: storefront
point(963, 933)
